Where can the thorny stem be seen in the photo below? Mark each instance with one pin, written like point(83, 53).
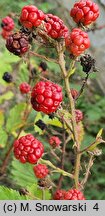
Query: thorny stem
point(90, 164)
point(60, 51)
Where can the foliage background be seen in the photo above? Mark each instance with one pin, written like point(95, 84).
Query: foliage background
point(92, 103)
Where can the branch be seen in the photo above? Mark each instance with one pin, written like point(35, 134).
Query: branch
point(56, 169)
point(62, 159)
point(90, 164)
point(83, 86)
point(60, 50)
point(43, 57)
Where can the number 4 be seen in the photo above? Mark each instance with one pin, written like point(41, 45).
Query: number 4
point(96, 207)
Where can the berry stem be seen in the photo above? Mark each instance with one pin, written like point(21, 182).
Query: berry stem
point(62, 158)
point(43, 57)
point(83, 86)
point(60, 51)
point(56, 169)
point(90, 164)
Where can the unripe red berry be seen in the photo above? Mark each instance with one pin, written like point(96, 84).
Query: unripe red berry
point(79, 115)
point(74, 93)
point(77, 42)
point(85, 12)
point(59, 195)
point(41, 171)
point(28, 149)
point(24, 88)
point(74, 194)
point(31, 16)
point(55, 27)
point(6, 34)
point(18, 43)
point(7, 23)
point(46, 97)
point(54, 141)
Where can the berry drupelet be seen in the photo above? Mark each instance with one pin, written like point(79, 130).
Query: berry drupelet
point(28, 149)
point(85, 12)
point(77, 42)
point(7, 77)
point(46, 97)
point(41, 171)
point(31, 16)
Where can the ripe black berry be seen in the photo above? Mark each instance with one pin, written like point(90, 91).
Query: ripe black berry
point(41, 124)
point(43, 65)
point(87, 63)
point(7, 77)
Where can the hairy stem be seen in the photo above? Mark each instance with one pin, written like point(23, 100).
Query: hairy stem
point(60, 51)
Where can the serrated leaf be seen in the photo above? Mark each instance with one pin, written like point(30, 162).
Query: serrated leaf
point(15, 120)
point(3, 137)
point(10, 194)
point(38, 193)
point(22, 174)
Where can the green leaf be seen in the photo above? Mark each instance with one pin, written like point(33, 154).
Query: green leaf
point(10, 194)
point(38, 193)
point(94, 114)
point(15, 117)
point(99, 133)
point(23, 74)
point(1, 118)
point(6, 96)
point(22, 174)
point(3, 137)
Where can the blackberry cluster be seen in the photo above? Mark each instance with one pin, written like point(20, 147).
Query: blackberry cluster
point(85, 12)
point(46, 97)
point(77, 42)
point(28, 149)
point(18, 43)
